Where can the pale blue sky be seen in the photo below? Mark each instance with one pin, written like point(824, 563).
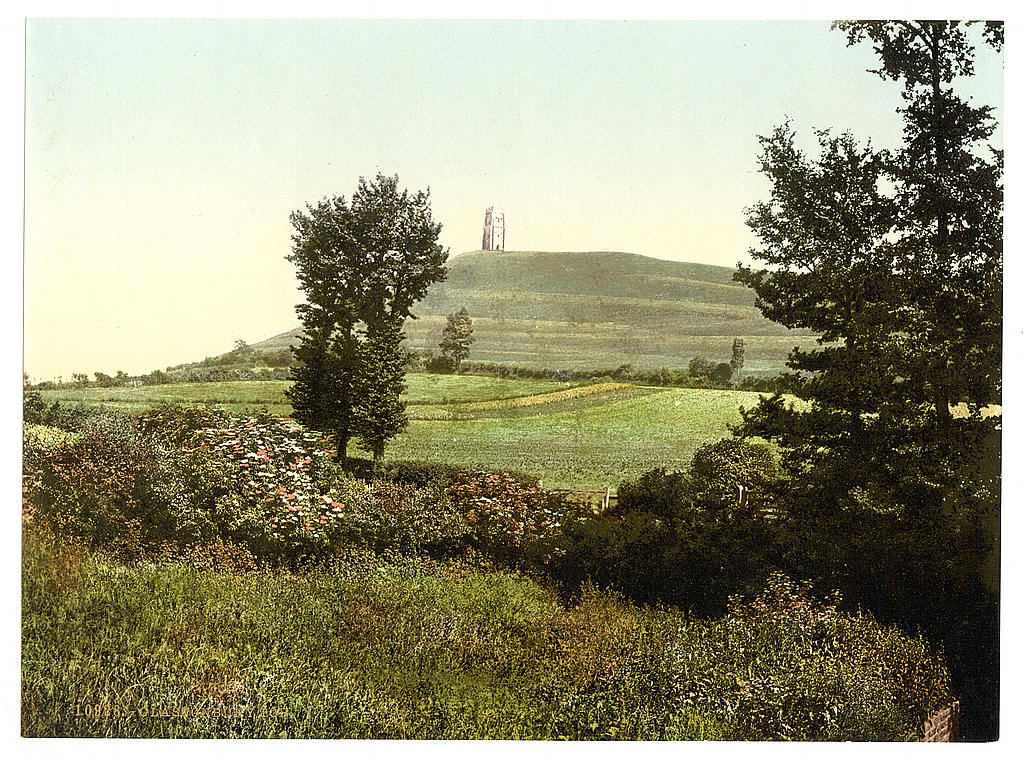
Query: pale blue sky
point(163, 157)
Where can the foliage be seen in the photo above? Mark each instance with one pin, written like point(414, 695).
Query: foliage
point(385, 516)
point(895, 258)
point(701, 367)
point(422, 650)
point(457, 337)
point(718, 469)
point(362, 265)
point(379, 410)
point(665, 495)
point(821, 674)
point(512, 519)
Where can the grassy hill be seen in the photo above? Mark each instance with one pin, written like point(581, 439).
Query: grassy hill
point(585, 310)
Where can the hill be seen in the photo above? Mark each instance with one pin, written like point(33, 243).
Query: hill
point(585, 310)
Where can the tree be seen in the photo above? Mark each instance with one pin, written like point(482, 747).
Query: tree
point(457, 337)
point(894, 258)
point(823, 229)
point(948, 252)
point(701, 367)
point(902, 287)
point(380, 412)
point(362, 265)
point(736, 362)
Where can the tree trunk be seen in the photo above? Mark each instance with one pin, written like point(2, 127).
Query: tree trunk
point(341, 457)
point(378, 454)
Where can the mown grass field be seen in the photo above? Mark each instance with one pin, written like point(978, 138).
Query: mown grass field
point(583, 445)
point(569, 435)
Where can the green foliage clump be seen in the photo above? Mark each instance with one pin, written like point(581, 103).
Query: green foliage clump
point(513, 520)
point(719, 468)
point(783, 666)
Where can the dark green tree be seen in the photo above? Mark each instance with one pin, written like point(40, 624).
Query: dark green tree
point(894, 259)
point(363, 265)
point(948, 252)
point(721, 374)
point(329, 267)
point(380, 412)
point(823, 231)
point(456, 337)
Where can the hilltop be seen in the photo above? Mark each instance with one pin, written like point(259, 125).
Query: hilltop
point(585, 310)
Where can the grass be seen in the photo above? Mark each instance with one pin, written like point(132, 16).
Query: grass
point(569, 435)
point(586, 446)
point(368, 649)
point(423, 389)
point(587, 310)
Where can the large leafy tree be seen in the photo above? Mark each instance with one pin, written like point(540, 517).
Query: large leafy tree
point(903, 286)
point(894, 258)
point(397, 238)
point(362, 265)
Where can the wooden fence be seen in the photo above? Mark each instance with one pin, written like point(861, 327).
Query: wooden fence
point(755, 505)
point(603, 498)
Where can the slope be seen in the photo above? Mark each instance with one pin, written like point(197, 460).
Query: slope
point(586, 310)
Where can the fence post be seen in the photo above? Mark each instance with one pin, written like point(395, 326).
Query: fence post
point(607, 503)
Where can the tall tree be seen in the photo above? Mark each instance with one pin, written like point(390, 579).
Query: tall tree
point(894, 258)
point(397, 238)
point(363, 265)
point(823, 231)
point(456, 337)
point(329, 268)
point(948, 255)
point(902, 287)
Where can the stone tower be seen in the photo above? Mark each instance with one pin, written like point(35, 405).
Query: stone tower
point(494, 229)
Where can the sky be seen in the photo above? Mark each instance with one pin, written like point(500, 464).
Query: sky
point(163, 157)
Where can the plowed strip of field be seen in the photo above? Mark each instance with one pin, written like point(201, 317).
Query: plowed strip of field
point(528, 405)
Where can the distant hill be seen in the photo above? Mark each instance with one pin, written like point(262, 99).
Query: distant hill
point(586, 310)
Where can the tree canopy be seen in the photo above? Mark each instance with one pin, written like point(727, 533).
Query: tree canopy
point(363, 265)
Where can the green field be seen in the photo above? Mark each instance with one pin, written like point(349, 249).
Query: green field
point(571, 436)
point(587, 445)
point(591, 310)
point(422, 389)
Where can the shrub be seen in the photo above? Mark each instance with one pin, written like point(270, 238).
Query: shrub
point(116, 485)
point(513, 519)
point(718, 469)
point(784, 666)
point(400, 517)
point(664, 495)
point(421, 473)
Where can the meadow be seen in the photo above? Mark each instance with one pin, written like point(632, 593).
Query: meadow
point(205, 574)
point(570, 435)
point(402, 648)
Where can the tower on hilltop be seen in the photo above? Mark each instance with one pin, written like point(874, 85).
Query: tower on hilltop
point(494, 229)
